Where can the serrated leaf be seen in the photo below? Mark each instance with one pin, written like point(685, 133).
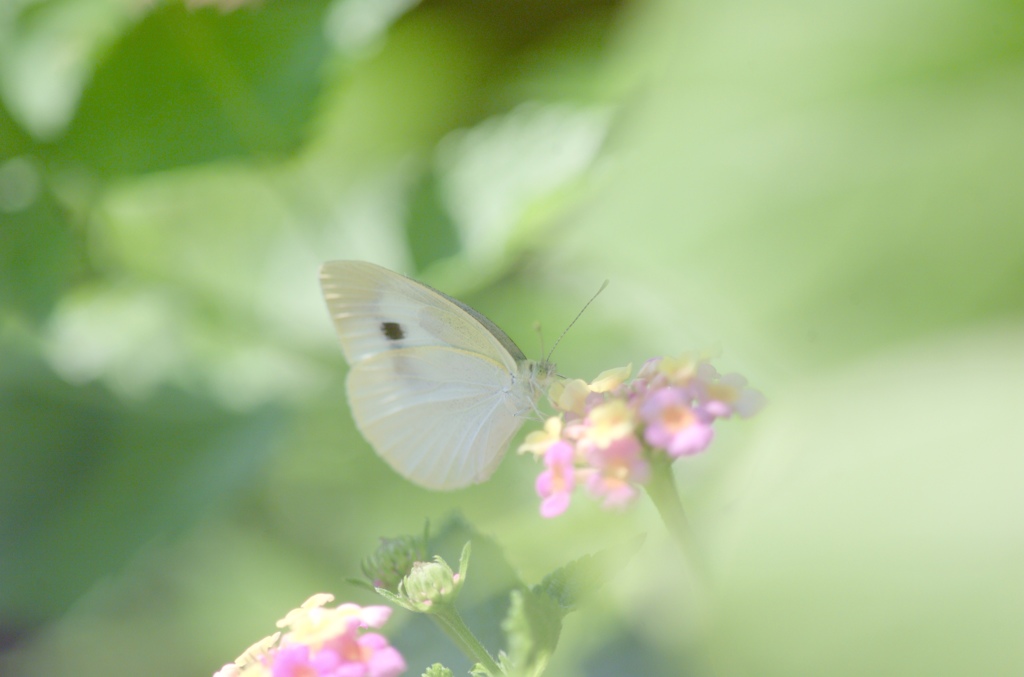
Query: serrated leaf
point(360, 583)
point(570, 584)
point(492, 567)
point(532, 628)
point(438, 670)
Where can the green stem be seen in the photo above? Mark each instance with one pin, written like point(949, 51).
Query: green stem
point(663, 493)
point(449, 620)
point(665, 496)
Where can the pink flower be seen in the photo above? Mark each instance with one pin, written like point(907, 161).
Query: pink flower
point(555, 485)
point(367, 655)
point(349, 654)
point(318, 641)
point(297, 661)
point(673, 425)
point(619, 468)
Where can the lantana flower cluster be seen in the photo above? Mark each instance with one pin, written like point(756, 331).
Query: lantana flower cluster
point(316, 641)
point(610, 431)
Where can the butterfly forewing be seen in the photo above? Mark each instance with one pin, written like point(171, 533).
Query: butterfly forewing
point(375, 309)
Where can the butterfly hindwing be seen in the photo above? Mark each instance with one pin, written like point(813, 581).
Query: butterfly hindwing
point(439, 416)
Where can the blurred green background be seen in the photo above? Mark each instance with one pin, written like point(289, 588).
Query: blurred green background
point(832, 194)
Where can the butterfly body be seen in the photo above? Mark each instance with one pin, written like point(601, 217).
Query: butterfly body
point(437, 388)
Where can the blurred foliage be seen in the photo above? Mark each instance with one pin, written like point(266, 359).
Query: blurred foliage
point(831, 193)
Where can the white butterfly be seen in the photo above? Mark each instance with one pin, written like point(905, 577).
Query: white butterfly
point(436, 387)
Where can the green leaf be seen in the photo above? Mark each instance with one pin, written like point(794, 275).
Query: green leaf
point(48, 50)
point(429, 229)
point(532, 628)
point(493, 575)
point(571, 584)
point(190, 87)
point(39, 253)
point(89, 479)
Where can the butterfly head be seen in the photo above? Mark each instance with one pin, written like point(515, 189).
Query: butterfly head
point(539, 375)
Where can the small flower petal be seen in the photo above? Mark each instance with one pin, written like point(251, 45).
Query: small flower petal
point(381, 659)
point(258, 651)
point(570, 396)
point(555, 504)
point(538, 441)
point(691, 440)
point(610, 379)
point(679, 370)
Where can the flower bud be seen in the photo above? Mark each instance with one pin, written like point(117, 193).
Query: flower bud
point(393, 560)
point(430, 583)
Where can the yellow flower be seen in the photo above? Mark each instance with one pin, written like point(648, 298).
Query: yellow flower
point(231, 670)
point(250, 662)
point(312, 624)
point(538, 441)
point(611, 379)
point(679, 369)
point(570, 395)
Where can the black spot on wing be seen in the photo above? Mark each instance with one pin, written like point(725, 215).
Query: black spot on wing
point(392, 331)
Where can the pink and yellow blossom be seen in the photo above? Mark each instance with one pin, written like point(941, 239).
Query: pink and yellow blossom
point(673, 424)
point(611, 429)
point(317, 641)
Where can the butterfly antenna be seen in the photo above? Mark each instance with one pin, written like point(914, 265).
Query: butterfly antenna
point(578, 315)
